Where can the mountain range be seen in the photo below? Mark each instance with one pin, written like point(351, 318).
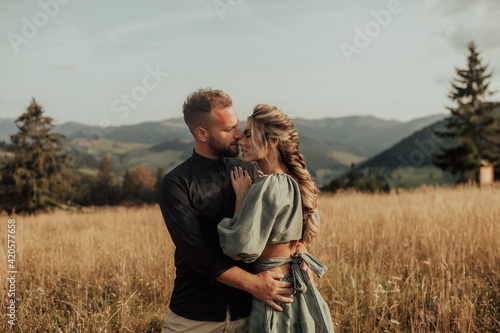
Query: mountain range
point(367, 135)
point(330, 145)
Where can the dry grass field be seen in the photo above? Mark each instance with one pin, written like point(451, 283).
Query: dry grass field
point(426, 260)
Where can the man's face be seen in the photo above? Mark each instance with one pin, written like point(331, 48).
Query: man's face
point(248, 153)
point(224, 133)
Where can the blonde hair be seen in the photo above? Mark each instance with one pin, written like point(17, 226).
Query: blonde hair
point(270, 125)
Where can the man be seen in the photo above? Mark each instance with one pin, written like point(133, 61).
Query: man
point(212, 293)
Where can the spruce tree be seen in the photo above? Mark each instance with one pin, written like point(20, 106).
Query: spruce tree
point(39, 173)
point(160, 173)
point(471, 132)
point(128, 187)
point(106, 189)
point(353, 177)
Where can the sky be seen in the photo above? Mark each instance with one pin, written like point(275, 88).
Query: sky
point(117, 62)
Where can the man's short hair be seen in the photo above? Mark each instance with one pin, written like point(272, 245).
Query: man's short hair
point(199, 104)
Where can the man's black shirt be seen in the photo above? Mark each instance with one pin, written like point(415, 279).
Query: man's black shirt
point(195, 197)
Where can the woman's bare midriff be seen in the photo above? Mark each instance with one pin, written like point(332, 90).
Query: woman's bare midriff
point(284, 250)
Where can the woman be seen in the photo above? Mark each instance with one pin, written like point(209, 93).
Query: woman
point(271, 217)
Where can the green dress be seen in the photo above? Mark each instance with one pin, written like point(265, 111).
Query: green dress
point(271, 213)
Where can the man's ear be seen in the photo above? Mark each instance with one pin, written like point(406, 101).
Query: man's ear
point(201, 134)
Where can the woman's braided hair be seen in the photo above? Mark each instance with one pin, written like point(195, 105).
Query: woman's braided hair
point(270, 125)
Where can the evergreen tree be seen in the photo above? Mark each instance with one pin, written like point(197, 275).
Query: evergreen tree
point(39, 173)
point(160, 173)
point(370, 186)
point(471, 133)
point(87, 191)
point(128, 187)
point(353, 177)
point(105, 184)
point(335, 185)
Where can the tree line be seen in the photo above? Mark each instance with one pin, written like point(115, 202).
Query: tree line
point(358, 181)
point(39, 173)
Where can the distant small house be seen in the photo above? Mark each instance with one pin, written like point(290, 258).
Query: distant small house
point(486, 173)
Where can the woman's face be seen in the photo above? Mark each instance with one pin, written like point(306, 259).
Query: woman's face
point(247, 152)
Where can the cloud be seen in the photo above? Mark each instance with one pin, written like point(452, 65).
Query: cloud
point(461, 21)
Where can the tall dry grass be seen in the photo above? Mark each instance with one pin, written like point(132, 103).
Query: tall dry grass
point(421, 261)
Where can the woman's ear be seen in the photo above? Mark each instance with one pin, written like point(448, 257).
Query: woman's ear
point(274, 142)
point(201, 134)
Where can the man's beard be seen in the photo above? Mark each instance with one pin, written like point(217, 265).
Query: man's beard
point(217, 149)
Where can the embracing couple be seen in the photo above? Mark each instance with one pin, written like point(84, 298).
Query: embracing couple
point(241, 265)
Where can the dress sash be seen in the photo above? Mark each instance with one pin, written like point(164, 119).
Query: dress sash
point(298, 274)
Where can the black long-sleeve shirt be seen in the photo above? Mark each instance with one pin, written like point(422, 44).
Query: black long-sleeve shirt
point(195, 197)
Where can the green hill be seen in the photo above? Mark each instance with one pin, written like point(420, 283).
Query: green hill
point(370, 135)
point(408, 163)
point(128, 155)
point(414, 150)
